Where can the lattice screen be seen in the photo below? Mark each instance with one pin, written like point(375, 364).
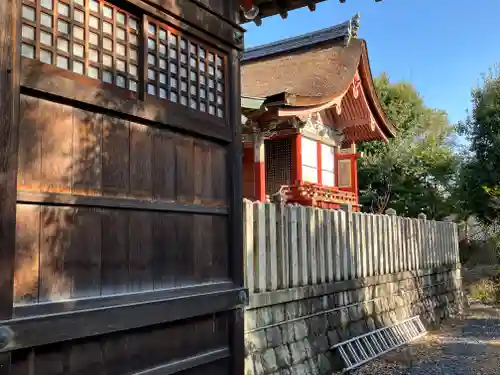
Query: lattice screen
point(101, 41)
point(278, 164)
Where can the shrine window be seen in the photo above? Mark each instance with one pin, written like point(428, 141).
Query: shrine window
point(181, 69)
point(309, 160)
point(101, 41)
point(327, 165)
point(87, 37)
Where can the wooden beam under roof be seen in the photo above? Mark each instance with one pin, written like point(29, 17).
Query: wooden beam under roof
point(268, 8)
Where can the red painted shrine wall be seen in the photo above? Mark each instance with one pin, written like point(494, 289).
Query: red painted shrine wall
point(248, 173)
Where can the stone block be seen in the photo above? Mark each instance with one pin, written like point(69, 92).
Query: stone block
point(333, 337)
point(358, 328)
point(400, 315)
point(353, 314)
point(386, 319)
point(335, 360)
point(391, 302)
point(255, 341)
point(378, 321)
point(399, 301)
point(324, 365)
point(361, 311)
point(292, 310)
point(287, 333)
point(318, 325)
point(297, 352)
point(331, 301)
point(249, 366)
point(306, 306)
point(369, 308)
point(378, 306)
point(380, 291)
point(269, 361)
point(349, 297)
point(385, 304)
point(370, 323)
point(346, 298)
point(283, 356)
point(319, 344)
point(393, 316)
point(323, 300)
point(333, 319)
point(316, 305)
point(313, 366)
point(300, 369)
point(250, 319)
point(344, 317)
point(339, 299)
point(308, 348)
point(273, 336)
point(258, 367)
point(279, 313)
point(264, 316)
point(300, 330)
point(344, 333)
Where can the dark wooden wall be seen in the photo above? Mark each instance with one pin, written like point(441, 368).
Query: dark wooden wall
point(126, 252)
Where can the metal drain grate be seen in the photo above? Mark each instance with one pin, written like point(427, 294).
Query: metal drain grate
point(362, 349)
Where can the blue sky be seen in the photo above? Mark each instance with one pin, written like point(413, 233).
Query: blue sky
point(441, 46)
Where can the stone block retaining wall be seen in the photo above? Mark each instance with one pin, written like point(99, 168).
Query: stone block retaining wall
point(291, 331)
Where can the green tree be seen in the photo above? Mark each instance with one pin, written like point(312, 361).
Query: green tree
point(415, 171)
point(479, 182)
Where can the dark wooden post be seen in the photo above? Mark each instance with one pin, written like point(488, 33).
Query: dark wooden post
point(9, 119)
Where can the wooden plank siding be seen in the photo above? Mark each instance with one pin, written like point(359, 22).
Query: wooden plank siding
point(122, 239)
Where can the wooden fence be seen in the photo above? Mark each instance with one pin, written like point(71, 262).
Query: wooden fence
point(290, 246)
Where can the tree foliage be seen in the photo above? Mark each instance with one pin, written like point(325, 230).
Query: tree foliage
point(414, 172)
point(479, 178)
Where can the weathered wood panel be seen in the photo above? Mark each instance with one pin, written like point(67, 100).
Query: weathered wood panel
point(164, 346)
point(69, 150)
point(128, 222)
point(67, 252)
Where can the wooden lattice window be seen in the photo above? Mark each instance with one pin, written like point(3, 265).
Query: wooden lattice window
point(185, 71)
point(278, 164)
point(99, 40)
point(88, 37)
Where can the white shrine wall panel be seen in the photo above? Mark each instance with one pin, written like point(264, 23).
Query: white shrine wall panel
point(309, 160)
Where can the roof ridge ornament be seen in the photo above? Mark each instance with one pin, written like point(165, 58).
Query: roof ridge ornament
point(352, 29)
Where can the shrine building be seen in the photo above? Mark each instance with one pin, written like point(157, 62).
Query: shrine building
point(307, 102)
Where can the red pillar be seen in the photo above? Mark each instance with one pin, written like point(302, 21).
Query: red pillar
point(259, 169)
point(354, 176)
point(354, 170)
point(297, 159)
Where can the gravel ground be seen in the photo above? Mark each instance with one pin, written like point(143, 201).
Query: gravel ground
point(466, 346)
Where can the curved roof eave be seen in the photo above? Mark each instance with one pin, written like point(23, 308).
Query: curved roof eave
point(371, 94)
